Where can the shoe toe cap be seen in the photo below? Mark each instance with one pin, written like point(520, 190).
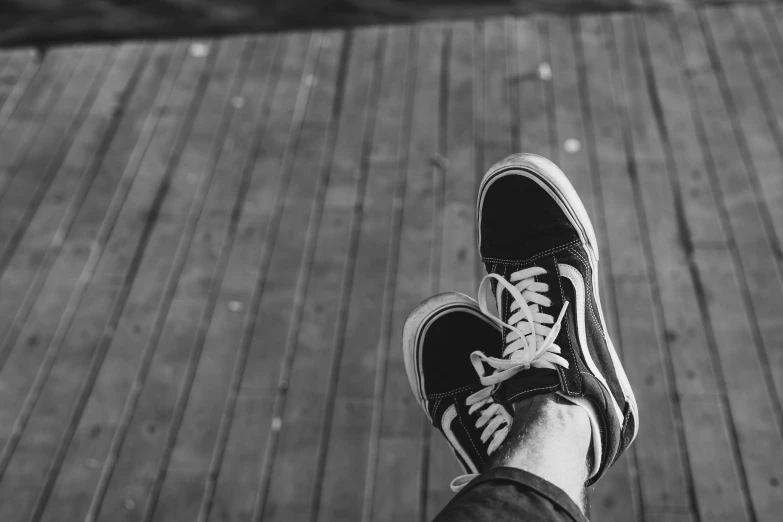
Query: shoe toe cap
point(519, 219)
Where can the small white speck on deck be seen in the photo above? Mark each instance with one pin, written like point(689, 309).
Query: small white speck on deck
point(545, 71)
point(199, 50)
point(572, 145)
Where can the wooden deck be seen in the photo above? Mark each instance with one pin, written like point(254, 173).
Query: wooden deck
point(207, 253)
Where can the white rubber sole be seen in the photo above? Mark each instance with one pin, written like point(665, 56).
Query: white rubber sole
point(555, 182)
point(416, 326)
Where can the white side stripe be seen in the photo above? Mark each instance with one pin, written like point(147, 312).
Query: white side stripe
point(573, 275)
point(445, 422)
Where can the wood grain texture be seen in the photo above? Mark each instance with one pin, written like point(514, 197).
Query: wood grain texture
point(403, 432)
point(638, 325)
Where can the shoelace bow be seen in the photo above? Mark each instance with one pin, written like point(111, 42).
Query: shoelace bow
point(529, 344)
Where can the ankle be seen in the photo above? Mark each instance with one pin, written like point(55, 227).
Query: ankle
point(550, 437)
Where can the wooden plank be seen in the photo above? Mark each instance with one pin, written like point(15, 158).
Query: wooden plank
point(535, 90)
point(495, 73)
point(697, 371)
point(568, 119)
point(198, 288)
point(5, 58)
point(95, 328)
point(295, 455)
point(391, 154)
point(268, 317)
point(21, 285)
point(458, 256)
point(117, 74)
point(138, 302)
point(759, 437)
point(55, 126)
point(494, 63)
point(37, 244)
point(130, 465)
point(315, 366)
point(197, 294)
point(400, 479)
point(290, 270)
point(759, 38)
point(25, 122)
point(37, 181)
point(267, 165)
point(735, 177)
point(18, 71)
point(758, 135)
point(776, 17)
point(724, 356)
point(765, 41)
point(353, 424)
point(742, 399)
point(55, 389)
point(190, 467)
point(458, 235)
point(751, 117)
point(57, 67)
point(660, 466)
point(101, 178)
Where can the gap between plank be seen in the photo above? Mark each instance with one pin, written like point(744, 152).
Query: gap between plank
point(344, 300)
point(303, 277)
point(390, 280)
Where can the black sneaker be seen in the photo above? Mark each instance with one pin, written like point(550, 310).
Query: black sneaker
point(438, 339)
point(541, 255)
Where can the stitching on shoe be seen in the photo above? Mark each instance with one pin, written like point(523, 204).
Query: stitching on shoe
point(506, 308)
point(530, 390)
point(592, 291)
point(450, 393)
point(459, 416)
point(568, 337)
point(535, 257)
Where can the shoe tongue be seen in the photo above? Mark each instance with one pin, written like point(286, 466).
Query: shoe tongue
point(533, 381)
point(550, 278)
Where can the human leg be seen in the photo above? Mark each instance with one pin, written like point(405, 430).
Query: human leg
point(513, 461)
point(550, 438)
point(552, 397)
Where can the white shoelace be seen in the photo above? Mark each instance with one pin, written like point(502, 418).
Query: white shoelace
point(529, 344)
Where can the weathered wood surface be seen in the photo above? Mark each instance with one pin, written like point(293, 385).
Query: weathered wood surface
point(208, 250)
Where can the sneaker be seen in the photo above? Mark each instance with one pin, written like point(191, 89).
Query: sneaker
point(438, 339)
point(541, 256)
